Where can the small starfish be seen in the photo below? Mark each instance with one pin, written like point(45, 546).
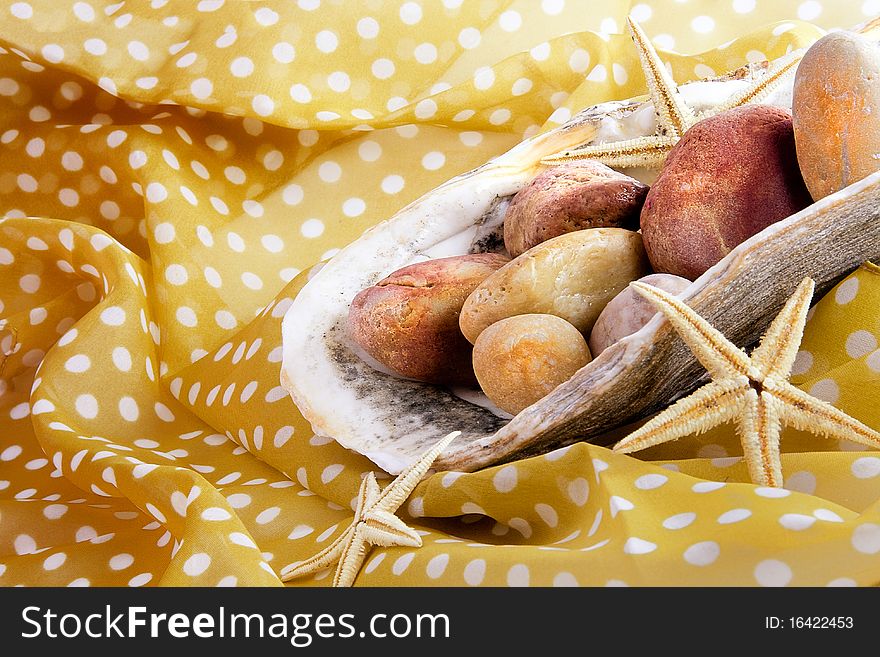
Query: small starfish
point(674, 116)
point(752, 391)
point(374, 522)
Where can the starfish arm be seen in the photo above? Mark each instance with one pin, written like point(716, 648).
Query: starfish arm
point(802, 411)
point(648, 152)
point(775, 355)
point(403, 485)
point(718, 355)
point(382, 526)
point(386, 529)
point(324, 558)
point(353, 554)
point(760, 88)
point(758, 429)
point(368, 495)
point(674, 114)
point(870, 27)
point(711, 405)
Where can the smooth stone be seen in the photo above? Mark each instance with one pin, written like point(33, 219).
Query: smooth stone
point(629, 311)
point(521, 359)
point(571, 276)
point(408, 321)
point(836, 112)
point(571, 196)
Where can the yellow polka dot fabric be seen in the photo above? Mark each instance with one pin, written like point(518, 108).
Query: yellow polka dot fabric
point(169, 171)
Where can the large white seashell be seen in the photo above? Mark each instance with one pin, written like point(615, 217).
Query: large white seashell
point(393, 421)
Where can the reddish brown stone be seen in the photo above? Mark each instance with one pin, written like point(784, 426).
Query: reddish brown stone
point(728, 178)
point(569, 197)
point(409, 320)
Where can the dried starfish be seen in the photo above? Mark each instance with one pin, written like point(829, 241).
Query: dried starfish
point(674, 116)
point(752, 391)
point(374, 523)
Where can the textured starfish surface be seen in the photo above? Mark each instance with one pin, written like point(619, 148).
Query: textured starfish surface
point(374, 523)
point(674, 116)
point(752, 391)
